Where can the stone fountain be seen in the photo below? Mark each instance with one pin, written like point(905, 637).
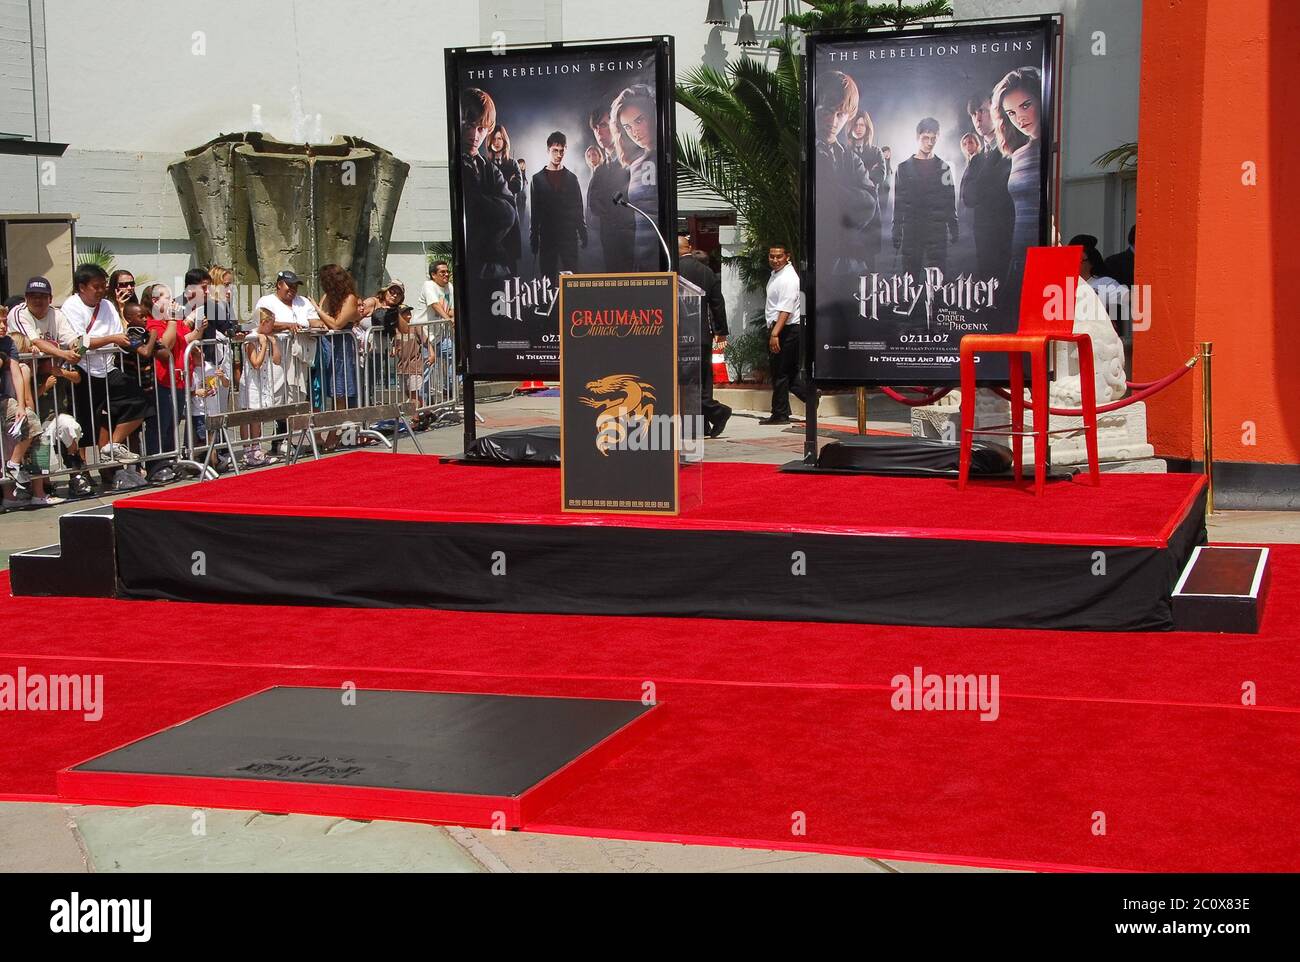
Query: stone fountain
point(260, 205)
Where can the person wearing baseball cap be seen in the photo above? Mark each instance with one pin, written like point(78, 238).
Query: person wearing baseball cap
point(293, 315)
point(37, 325)
point(46, 330)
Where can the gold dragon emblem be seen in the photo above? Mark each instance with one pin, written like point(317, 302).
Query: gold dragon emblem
point(620, 399)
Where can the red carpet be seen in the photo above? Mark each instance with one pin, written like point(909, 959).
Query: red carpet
point(770, 720)
point(1131, 509)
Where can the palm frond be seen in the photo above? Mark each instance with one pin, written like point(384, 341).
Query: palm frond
point(1122, 158)
point(838, 14)
point(97, 254)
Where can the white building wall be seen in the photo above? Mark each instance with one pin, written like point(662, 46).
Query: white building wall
point(1102, 61)
point(133, 84)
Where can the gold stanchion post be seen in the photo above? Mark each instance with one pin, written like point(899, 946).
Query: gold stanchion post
point(1207, 422)
point(862, 410)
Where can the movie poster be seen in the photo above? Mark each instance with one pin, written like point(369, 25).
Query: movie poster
point(930, 179)
point(545, 140)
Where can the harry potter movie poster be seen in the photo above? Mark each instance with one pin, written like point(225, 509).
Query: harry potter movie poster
point(547, 144)
point(930, 178)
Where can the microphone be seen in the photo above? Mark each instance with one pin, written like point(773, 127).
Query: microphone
point(620, 200)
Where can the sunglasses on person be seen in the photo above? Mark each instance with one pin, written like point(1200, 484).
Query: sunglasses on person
point(122, 285)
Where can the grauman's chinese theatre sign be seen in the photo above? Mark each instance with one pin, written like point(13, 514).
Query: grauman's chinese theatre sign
point(620, 429)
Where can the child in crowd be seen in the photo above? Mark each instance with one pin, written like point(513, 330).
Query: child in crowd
point(410, 348)
point(208, 385)
point(138, 365)
point(263, 381)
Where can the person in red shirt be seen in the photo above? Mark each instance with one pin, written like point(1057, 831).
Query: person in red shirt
point(173, 366)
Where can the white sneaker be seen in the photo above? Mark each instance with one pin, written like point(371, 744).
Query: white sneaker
point(16, 472)
point(46, 501)
point(114, 451)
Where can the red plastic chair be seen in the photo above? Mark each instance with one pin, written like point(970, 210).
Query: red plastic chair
point(1051, 276)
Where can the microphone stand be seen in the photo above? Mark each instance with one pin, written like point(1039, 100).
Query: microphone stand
point(619, 198)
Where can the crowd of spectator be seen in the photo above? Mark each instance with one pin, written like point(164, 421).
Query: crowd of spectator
point(112, 388)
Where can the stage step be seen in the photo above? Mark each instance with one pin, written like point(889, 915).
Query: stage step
point(82, 565)
point(1222, 589)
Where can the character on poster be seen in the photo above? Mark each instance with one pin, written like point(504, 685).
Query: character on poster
point(499, 154)
point(862, 141)
point(558, 225)
point(490, 212)
point(1017, 101)
point(615, 225)
point(984, 190)
point(846, 197)
point(925, 205)
point(635, 121)
point(886, 190)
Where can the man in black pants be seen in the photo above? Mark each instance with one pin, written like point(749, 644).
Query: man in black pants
point(925, 205)
point(694, 266)
point(784, 327)
point(558, 224)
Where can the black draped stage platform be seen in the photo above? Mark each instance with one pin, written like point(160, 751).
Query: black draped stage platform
point(406, 531)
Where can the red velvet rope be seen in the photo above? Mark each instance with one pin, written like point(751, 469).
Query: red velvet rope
point(915, 402)
point(1145, 392)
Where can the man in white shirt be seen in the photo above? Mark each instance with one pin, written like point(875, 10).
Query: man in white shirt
point(294, 315)
point(781, 312)
point(292, 311)
point(435, 303)
point(105, 397)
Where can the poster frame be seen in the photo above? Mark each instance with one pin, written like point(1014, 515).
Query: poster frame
point(455, 58)
point(1049, 201)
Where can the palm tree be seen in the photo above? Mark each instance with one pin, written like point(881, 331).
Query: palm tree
point(748, 151)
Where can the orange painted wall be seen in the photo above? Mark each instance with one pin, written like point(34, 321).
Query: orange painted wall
point(1221, 87)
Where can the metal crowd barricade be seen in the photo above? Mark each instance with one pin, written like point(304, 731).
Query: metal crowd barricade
point(434, 392)
point(60, 390)
point(325, 383)
point(440, 394)
point(226, 392)
point(339, 384)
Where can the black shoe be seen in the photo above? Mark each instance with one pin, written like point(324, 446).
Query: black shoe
point(721, 423)
point(774, 420)
point(164, 475)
